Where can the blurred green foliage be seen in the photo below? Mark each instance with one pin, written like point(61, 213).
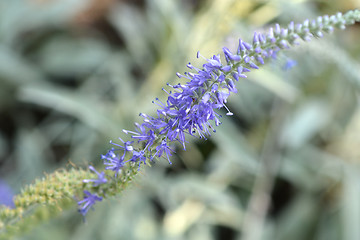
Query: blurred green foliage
point(74, 73)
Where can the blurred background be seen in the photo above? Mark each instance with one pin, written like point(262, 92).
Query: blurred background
point(73, 73)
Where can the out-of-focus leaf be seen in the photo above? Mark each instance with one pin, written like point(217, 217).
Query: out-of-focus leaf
point(15, 70)
point(32, 159)
point(350, 205)
point(305, 123)
point(19, 16)
point(67, 102)
point(298, 221)
point(65, 56)
point(276, 85)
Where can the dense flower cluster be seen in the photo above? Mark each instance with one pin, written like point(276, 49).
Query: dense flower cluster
point(191, 107)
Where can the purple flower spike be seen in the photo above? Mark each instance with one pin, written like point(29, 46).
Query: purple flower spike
point(253, 65)
point(277, 30)
point(229, 56)
point(306, 23)
point(247, 46)
point(226, 68)
point(260, 60)
point(262, 38)
point(113, 161)
point(231, 86)
point(283, 44)
point(245, 69)
point(258, 50)
point(291, 26)
point(241, 47)
point(270, 35)
point(100, 180)
point(88, 202)
point(284, 33)
point(213, 63)
point(127, 145)
point(163, 148)
point(256, 39)
point(235, 76)
point(190, 108)
point(138, 157)
point(319, 34)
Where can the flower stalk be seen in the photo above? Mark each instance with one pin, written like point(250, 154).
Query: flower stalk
point(190, 109)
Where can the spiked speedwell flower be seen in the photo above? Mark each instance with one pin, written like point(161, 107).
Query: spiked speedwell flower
point(191, 107)
point(88, 202)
